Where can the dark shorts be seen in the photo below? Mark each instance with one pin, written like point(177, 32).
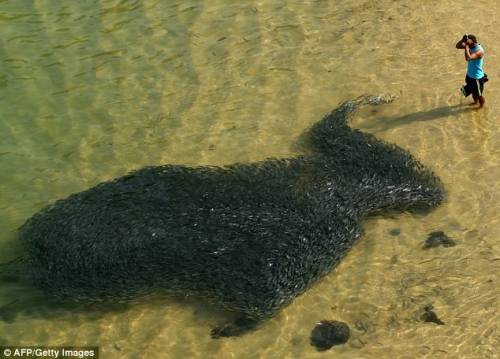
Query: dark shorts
point(473, 86)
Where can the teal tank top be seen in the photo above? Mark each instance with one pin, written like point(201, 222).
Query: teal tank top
point(475, 67)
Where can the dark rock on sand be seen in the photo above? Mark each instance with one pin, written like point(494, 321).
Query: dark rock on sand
point(328, 333)
point(438, 238)
point(247, 237)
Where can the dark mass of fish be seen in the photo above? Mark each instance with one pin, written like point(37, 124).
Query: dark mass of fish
point(247, 237)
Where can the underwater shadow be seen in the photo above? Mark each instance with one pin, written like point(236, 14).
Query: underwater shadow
point(32, 304)
point(386, 123)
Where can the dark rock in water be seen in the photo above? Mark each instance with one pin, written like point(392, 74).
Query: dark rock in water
point(247, 237)
point(438, 238)
point(430, 316)
point(328, 333)
point(235, 328)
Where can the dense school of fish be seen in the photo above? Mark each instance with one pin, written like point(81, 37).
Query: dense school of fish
point(248, 237)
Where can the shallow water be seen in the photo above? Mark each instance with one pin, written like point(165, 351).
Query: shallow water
point(90, 90)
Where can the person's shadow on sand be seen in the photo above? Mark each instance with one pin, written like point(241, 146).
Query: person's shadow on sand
point(386, 123)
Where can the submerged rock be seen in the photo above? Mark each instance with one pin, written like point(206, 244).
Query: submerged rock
point(438, 238)
point(328, 333)
point(247, 237)
point(430, 316)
